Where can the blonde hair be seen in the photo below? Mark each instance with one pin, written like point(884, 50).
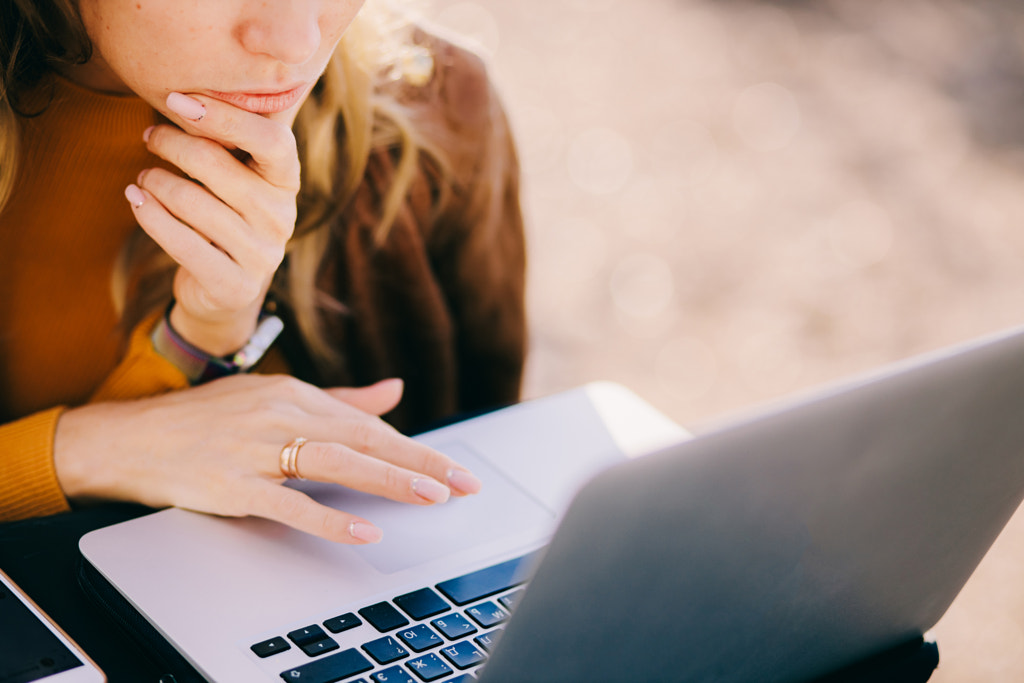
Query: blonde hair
point(375, 50)
point(350, 98)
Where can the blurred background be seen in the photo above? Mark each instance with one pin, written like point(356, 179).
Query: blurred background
point(733, 200)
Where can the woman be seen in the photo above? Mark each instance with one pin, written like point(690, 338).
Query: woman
point(308, 161)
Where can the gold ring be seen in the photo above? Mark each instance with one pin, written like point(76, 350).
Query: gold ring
point(290, 459)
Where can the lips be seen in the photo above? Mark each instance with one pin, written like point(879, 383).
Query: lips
point(263, 102)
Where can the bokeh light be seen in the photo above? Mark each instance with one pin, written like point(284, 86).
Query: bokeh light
point(642, 286)
point(766, 116)
point(472, 22)
point(732, 200)
point(600, 160)
point(860, 234)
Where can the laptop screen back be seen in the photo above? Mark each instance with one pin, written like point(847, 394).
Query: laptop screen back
point(786, 546)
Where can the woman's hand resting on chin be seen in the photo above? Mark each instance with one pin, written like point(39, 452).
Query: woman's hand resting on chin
point(227, 222)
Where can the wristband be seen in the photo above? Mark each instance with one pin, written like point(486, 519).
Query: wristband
point(200, 367)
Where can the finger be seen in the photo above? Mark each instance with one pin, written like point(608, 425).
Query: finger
point(338, 464)
point(376, 399)
point(348, 424)
point(223, 283)
point(260, 203)
point(290, 408)
point(375, 438)
point(301, 512)
point(219, 224)
point(187, 247)
point(270, 143)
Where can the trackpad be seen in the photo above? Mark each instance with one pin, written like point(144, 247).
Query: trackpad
point(414, 534)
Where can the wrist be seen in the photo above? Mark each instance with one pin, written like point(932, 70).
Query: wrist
point(198, 365)
point(215, 337)
point(79, 477)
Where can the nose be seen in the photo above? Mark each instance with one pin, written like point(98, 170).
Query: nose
point(287, 30)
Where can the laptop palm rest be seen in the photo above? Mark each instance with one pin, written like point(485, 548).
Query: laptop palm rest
point(500, 510)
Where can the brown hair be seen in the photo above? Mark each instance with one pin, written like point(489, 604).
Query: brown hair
point(35, 38)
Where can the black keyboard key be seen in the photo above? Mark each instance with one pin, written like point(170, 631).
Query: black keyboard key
point(487, 614)
point(488, 640)
point(307, 635)
point(485, 582)
point(422, 604)
point(463, 654)
point(385, 650)
point(419, 638)
point(454, 626)
point(271, 647)
point(383, 617)
point(330, 669)
point(429, 667)
point(313, 640)
point(511, 600)
point(395, 674)
point(319, 647)
point(342, 623)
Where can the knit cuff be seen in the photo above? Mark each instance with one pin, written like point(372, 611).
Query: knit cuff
point(142, 372)
point(28, 478)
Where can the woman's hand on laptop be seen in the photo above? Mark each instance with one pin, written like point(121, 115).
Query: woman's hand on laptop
point(217, 448)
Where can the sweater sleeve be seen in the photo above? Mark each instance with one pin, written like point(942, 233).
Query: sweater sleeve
point(28, 478)
point(142, 372)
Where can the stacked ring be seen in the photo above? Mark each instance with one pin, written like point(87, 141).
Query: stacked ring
point(290, 459)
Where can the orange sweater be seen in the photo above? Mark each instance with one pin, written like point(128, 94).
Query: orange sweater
point(440, 303)
point(60, 235)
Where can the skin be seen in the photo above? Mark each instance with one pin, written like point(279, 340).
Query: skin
point(230, 76)
point(159, 50)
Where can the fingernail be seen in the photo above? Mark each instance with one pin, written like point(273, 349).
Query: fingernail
point(146, 133)
point(393, 381)
point(134, 196)
point(142, 174)
point(463, 481)
point(185, 106)
point(365, 532)
point(431, 490)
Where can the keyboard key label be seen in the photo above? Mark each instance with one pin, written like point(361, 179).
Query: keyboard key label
point(429, 667)
point(454, 626)
point(487, 614)
point(463, 654)
point(420, 637)
point(385, 650)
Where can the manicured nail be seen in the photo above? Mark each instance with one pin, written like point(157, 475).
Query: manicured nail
point(431, 490)
point(146, 133)
point(365, 532)
point(463, 481)
point(142, 174)
point(393, 381)
point(185, 106)
point(134, 196)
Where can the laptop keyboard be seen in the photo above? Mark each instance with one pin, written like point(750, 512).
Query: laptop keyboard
point(439, 632)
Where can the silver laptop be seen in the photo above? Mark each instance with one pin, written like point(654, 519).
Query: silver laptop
point(779, 547)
